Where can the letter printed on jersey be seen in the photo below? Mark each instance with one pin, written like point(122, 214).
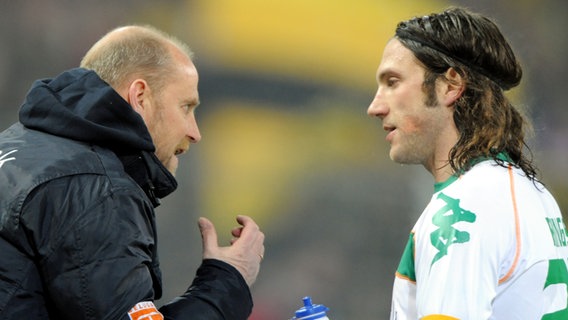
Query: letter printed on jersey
point(145, 310)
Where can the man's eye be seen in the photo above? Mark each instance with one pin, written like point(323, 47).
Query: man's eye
point(391, 81)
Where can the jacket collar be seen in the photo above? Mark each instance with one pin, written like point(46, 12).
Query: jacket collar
point(145, 168)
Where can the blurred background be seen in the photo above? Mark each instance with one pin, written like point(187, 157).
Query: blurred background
point(284, 88)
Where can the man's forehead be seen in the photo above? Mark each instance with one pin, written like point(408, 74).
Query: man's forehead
point(397, 57)
point(395, 52)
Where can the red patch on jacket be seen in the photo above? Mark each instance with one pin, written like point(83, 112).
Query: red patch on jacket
point(145, 310)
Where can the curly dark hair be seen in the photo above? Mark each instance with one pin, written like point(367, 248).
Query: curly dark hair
point(471, 44)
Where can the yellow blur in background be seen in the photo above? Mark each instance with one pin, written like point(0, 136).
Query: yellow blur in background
point(333, 42)
point(258, 152)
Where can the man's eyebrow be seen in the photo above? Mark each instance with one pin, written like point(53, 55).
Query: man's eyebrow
point(385, 73)
point(194, 102)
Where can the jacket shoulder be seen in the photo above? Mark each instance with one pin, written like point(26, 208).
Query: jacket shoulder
point(30, 158)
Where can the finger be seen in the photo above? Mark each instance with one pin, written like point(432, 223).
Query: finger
point(236, 232)
point(249, 228)
point(245, 220)
point(250, 236)
point(208, 234)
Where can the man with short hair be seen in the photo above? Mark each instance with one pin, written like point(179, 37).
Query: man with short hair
point(82, 171)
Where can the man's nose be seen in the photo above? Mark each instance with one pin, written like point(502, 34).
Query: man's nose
point(377, 108)
point(193, 131)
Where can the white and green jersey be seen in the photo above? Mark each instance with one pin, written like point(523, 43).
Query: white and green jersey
point(491, 244)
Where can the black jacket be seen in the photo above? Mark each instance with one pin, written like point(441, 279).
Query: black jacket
point(78, 185)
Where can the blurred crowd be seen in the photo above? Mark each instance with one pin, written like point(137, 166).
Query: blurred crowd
point(284, 90)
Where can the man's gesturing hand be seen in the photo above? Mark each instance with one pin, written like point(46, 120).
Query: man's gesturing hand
point(245, 252)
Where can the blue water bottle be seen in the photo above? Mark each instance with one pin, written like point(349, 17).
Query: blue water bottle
point(311, 311)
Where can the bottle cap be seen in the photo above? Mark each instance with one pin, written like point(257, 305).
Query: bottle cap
point(310, 311)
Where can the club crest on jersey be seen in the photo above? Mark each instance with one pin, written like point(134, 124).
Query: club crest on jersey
point(4, 157)
point(445, 218)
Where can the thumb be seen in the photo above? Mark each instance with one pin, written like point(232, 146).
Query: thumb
point(208, 236)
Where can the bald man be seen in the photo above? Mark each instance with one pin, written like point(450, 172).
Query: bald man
point(94, 150)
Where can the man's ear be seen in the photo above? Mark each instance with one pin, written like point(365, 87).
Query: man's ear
point(138, 95)
point(454, 86)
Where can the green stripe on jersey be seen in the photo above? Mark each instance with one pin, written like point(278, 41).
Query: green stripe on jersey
point(406, 265)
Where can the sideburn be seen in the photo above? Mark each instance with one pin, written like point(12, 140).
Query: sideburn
point(429, 88)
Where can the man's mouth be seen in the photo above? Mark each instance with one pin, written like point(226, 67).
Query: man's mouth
point(389, 130)
point(179, 151)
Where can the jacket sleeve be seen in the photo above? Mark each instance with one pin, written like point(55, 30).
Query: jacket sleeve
point(94, 247)
point(96, 254)
point(217, 292)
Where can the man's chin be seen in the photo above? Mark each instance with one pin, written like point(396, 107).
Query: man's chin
point(172, 165)
point(402, 158)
